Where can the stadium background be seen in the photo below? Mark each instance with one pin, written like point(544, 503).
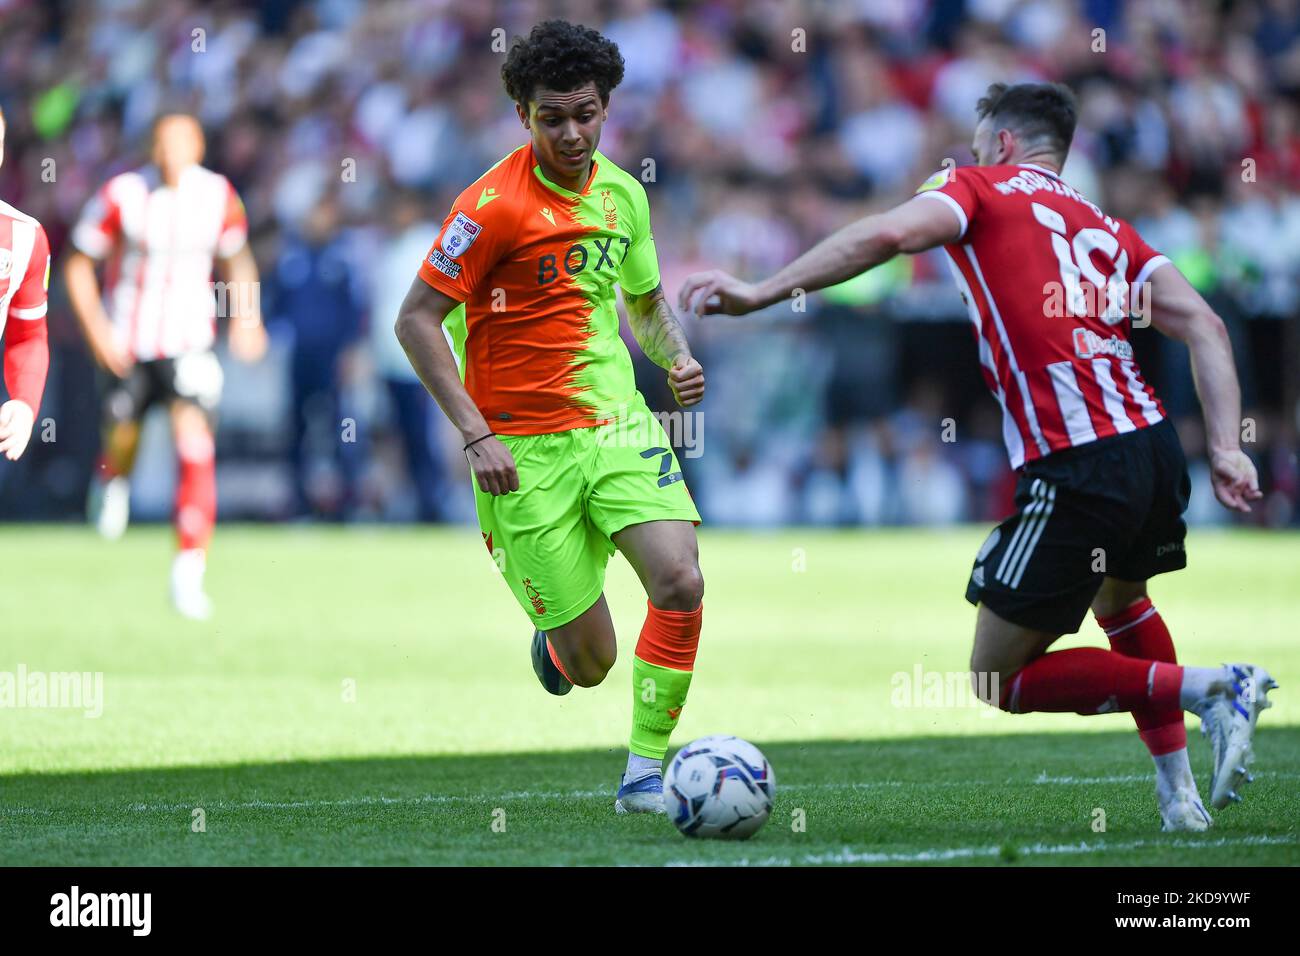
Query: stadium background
point(348, 128)
point(363, 693)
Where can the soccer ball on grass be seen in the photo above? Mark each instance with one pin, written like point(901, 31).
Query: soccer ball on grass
point(719, 787)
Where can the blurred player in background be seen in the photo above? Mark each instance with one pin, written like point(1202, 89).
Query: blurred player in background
point(406, 241)
point(568, 460)
point(24, 279)
point(159, 228)
point(1050, 282)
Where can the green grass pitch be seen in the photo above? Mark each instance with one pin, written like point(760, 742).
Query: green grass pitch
point(364, 696)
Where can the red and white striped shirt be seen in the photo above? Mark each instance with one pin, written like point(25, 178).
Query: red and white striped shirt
point(24, 278)
point(160, 242)
point(1049, 281)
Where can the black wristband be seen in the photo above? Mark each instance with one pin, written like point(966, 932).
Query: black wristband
point(477, 440)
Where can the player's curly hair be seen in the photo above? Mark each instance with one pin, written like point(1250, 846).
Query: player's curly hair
point(561, 56)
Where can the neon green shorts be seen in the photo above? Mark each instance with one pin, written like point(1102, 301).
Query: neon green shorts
point(552, 539)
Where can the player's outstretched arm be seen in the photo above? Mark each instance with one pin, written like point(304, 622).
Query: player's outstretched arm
point(419, 329)
point(27, 360)
point(247, 333)
point(27, 350)
point(83, 293)
point(663, 340)
point(1178, 311)
point(861, 245)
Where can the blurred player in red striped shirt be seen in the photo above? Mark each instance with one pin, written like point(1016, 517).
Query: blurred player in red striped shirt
point(1051, 284)
point(24, 278)
point(159, 229)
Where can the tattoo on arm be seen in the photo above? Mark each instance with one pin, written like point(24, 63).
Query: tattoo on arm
point(655, 326)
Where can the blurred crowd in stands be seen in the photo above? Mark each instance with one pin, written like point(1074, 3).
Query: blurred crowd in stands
point(758, 127)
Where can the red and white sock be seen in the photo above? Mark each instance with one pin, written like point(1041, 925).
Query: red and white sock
point(196, 491)
point(1139, 631)
point(1089, 680)
point(104, 469)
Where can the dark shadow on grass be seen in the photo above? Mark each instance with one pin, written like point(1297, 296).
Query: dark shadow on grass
point(877, 798)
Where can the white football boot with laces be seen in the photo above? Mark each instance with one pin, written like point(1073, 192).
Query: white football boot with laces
point(1228, 720)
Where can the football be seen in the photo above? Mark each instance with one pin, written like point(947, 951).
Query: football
point(719, 787)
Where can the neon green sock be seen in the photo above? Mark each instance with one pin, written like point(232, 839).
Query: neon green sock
point(658, 696)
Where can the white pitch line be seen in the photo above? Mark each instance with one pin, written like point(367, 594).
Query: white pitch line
point(364, 801)
point(847, 856)
point(1070, 781)
point(283, 804)
point(553, 794)
point(431, 798)
point(466, 798)
point(1042, 778)
point(1141, 778)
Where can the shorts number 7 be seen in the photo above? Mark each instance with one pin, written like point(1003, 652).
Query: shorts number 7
point(666, 477)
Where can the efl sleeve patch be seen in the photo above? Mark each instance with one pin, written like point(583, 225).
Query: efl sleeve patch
point(937, 181)
point(444, 264)
point(450, 264)
point(459, 235)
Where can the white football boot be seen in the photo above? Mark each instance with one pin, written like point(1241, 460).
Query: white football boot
point(643, 795)
point(1183, 811)
point(109, 507)
point(1228, 719)
point(188, 596)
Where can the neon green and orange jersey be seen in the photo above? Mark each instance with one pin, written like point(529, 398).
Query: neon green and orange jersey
point(535, 265)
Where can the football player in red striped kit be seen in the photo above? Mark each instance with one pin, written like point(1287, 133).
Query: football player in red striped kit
point(160, 228)
point(1050, 283)
point(24, 279)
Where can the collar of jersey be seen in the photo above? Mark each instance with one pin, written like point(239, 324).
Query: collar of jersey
point(562, 190)
point(1041, 169)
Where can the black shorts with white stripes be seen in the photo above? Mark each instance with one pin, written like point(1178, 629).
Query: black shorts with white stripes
point(1112, 508)
point(194, 377)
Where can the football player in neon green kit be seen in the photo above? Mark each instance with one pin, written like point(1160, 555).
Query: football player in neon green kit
point(568, 461)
